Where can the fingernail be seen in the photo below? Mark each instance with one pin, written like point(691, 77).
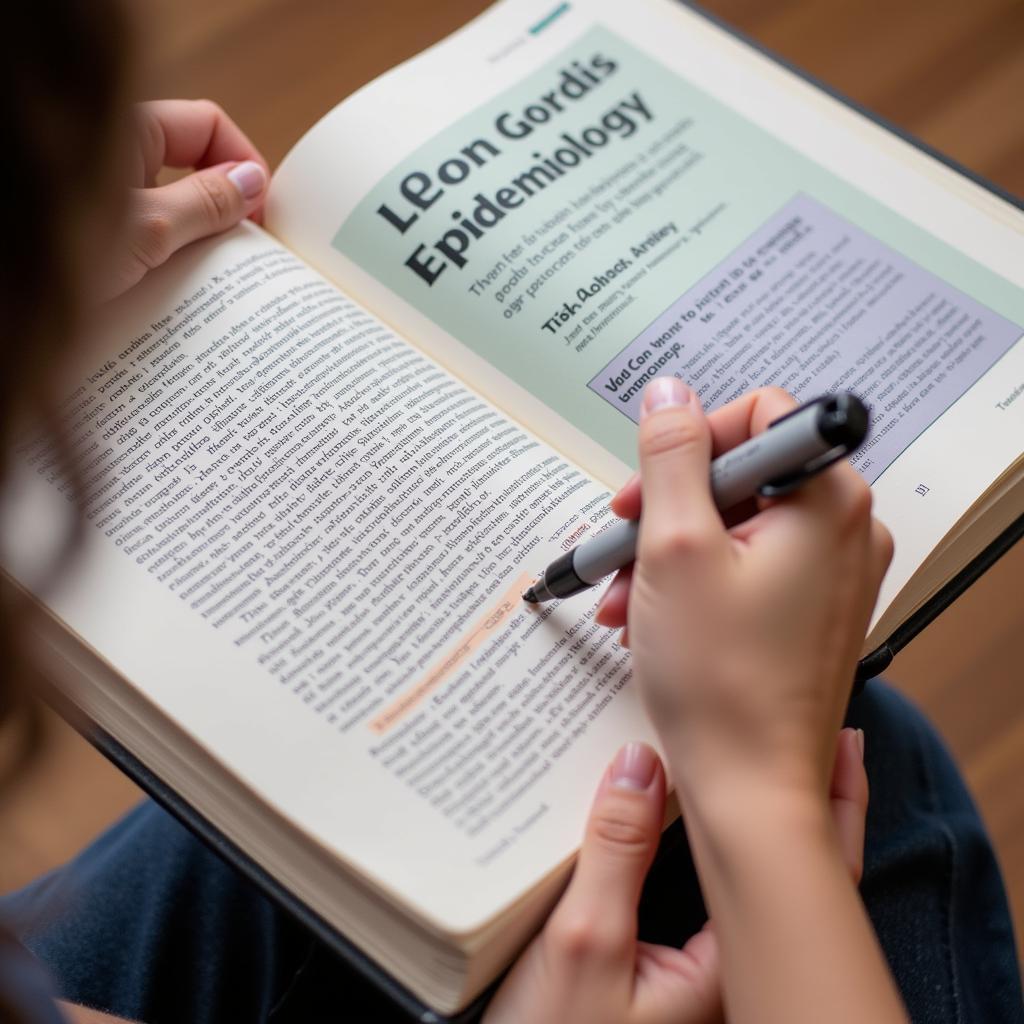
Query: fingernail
point(249, 178)
point(633, 767)
point(663, 392)
point(859, 736)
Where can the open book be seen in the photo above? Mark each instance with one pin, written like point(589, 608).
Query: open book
point(322, 460)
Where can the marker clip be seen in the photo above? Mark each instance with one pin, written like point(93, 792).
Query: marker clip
point(844, 422)
point(787, 484)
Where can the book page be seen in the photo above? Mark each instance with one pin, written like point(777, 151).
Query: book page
point(562, 202)
point(305, 544)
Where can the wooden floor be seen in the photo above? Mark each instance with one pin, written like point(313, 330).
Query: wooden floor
point(949, 71)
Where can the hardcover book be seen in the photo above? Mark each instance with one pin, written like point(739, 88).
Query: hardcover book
point(320, 461)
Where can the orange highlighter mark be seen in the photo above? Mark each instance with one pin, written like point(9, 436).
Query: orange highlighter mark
point(485, 628)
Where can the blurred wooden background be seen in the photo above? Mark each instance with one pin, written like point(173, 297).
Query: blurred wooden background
point(949, 71)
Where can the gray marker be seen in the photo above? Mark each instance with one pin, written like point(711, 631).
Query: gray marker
point(773, 463)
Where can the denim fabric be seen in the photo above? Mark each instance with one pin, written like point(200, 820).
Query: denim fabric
point(931, 882)
point(148, 924)
point(25, 992)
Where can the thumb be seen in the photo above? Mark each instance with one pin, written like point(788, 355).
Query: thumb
point(597, 914)
point(675, 457)
point(196, 206)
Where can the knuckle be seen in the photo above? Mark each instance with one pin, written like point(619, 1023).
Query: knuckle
point(674, 541)
point(863, 500)
point(858, 500)
point(153, 238)
point(775, 392)
point(213, 198)
point(775, 398)
point(151, 134)
point(209, 108)
point(582, 936)
point(615, 830)
point(883, 541)
point(669, 431)
point(571, 935)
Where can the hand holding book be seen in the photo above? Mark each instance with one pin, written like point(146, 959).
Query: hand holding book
point(587, 965)
point(228, 182)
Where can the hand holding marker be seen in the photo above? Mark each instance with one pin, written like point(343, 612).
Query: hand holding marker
point(792, 449)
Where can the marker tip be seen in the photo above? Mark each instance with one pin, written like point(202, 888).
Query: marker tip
point(530, 596)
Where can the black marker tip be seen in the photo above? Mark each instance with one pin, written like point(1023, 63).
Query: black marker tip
point(530, 596)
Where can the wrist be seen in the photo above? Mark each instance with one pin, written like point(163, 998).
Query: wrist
point(783, 766)
point(749, 843)
point(731, 806)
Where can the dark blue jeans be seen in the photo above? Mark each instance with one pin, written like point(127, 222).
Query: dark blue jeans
point(148, 924)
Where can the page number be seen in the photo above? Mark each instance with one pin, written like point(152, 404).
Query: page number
point(922, 489)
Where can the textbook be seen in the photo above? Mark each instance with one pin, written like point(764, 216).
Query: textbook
point(321, 460)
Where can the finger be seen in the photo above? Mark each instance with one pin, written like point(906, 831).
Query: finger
point(190, 133)
point(686, 984)
point(830, 507)
point(741, 419)
point(196, 206)
point(626, 503)
point(881, 547)
point(611, 610)
point(701, 950)
point(834, 505)
point(675, 454)
point(849, 798)
point(730, 425)
point(596, 918)
point(878, 551)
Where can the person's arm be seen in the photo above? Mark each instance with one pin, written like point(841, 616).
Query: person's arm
point(587, 966)
point(796, 943)
point(744, 643)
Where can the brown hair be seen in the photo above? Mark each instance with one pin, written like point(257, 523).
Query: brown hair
point(62, 87)
point(63, 83)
